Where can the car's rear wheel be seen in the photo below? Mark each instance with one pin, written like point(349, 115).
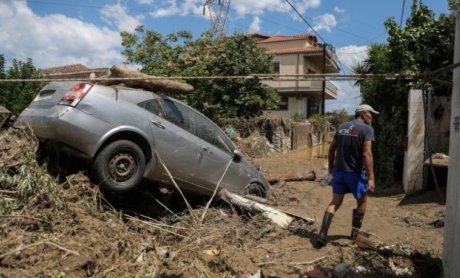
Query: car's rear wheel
point(120, 166)
point(256, 189)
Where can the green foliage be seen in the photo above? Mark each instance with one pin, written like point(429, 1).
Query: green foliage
point(16, 96)
point(320, 122)
point(425, 44)
point(179, 55)
point(337, 117)
point(297, 117)
point(21, 175)
point(454, 5)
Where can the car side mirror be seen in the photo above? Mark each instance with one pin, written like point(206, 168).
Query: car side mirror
point(237, 156)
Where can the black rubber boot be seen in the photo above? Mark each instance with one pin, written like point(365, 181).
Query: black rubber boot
point(321, 241)
point(357, 222)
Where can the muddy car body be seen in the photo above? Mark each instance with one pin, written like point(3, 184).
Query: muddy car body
point(129, 134)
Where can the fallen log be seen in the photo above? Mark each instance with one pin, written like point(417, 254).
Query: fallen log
point(278, 217)
point(309, 176)
point(145, 81)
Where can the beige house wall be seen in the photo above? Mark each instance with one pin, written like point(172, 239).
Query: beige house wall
point(300, 92)
point(295, 106)
point(285, 44)
point(289, 63)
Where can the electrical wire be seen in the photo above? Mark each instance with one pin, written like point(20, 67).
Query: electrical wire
point(306, 22)
point(262, 77)
point(402, 13)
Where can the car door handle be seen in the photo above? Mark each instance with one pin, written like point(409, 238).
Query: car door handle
point(158, 124)
point(207, 150)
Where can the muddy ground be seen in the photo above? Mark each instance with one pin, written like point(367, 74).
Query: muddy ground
point(55, 223)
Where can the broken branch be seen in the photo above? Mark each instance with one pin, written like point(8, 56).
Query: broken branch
point(280, 218)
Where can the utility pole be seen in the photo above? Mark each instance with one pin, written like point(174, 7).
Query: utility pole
point(451, 247)
point(218, 15)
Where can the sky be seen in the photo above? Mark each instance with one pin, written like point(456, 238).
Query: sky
point(61, 32)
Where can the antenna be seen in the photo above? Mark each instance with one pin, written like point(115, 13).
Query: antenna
point(218, 14)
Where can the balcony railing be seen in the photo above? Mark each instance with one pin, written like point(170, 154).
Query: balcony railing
point(314, 87)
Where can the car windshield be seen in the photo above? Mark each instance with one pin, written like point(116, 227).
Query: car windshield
point(190, 120)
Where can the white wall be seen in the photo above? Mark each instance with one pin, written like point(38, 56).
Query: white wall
point(413, 156)
point(451, 254)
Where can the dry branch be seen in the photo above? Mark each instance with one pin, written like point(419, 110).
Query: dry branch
point(145, 81)
point(309, 176)
point(38, 243)
point(280, 218)
point(293, 263)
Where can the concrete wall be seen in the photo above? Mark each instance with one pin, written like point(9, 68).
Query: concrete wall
point(295, 106)
point(290, 64)
point(451, 254)
point(414, 155)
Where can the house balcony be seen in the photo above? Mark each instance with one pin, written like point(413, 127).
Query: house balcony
point(304, 88)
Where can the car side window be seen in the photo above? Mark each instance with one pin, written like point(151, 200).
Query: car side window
point(153, 106)
point(164, 109)
point(190, 120)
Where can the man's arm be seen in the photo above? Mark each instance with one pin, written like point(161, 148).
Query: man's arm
point(369, 164)
point(331, 155)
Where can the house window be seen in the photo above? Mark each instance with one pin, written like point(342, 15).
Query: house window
point(312, 107)
point(276, 67)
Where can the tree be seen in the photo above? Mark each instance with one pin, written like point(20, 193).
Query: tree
point(16, 96)
point(337, 117)
point(179, 55)
point(424, 45)
point(454, 5)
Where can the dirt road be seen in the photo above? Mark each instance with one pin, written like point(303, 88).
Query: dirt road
point(391, 217)
point(62, 226)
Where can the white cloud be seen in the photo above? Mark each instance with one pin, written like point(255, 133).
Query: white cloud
point(116, 14)
point(349, 97)
point(171, 8)
point(55, 40)
point(339, 10)
point(255, 25)
point(349, 94)
point(145, 2)
point(241, 7)
point(351, 55)
point(324, 22)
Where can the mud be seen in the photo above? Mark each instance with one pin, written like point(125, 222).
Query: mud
point(74, 230)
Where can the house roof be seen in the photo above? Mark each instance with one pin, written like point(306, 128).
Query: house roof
point(296, 50)
point(65, 69)
point(279, 38)
point(260, 36)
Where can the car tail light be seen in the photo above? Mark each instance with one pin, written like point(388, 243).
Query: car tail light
point(73, 96)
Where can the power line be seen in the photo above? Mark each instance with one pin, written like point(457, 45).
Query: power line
point(276, 77)
point(304, 20)
point(402, 13)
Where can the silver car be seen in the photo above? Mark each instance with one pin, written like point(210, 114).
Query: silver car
point(129, 134)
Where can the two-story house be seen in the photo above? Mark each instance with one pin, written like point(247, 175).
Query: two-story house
point(295, 56)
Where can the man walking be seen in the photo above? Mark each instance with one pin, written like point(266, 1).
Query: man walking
point(351, 164)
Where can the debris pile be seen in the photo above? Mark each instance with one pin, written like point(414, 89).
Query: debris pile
point(136, 79)
point(62, 225)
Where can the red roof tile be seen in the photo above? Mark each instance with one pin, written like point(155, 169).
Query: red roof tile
point(271, 39)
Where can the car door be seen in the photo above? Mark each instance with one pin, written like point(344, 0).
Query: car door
point(174, 146)
point(215, 154)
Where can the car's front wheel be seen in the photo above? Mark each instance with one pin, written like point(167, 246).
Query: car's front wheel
point(120, 166)
point(256, 189)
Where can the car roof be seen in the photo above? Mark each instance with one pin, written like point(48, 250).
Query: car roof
point(134, 95)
